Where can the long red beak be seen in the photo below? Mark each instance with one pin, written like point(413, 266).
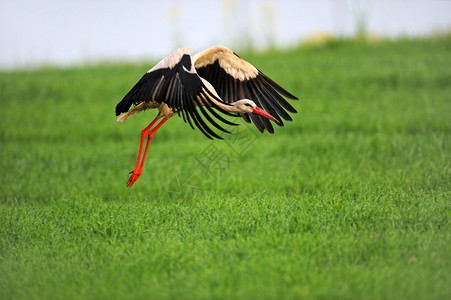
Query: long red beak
point(263, 113)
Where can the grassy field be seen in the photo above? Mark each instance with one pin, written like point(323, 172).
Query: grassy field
point(351, 200)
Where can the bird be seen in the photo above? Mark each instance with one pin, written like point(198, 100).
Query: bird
point(196, 88)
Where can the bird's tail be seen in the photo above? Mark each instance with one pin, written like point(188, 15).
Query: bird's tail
point(138, 108)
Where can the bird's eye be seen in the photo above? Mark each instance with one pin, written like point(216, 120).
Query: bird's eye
point(247, 104)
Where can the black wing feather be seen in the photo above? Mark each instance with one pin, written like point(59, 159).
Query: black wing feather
point(180, 89)
point(261, 89)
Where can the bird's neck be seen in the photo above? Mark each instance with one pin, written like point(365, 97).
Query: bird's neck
point(227, 107)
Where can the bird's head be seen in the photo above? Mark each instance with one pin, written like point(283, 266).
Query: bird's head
point(248, 106)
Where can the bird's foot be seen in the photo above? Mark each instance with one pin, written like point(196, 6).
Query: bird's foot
point(135, 175)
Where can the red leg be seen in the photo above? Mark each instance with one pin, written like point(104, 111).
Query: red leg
point(143, 136)
point(137, 171)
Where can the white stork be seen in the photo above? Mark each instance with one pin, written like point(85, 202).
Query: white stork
point(194, 87)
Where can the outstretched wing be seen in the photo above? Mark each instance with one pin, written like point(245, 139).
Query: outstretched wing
point(174, 81)
point(234, 78)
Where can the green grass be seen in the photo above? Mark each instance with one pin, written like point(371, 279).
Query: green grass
point(351, 200)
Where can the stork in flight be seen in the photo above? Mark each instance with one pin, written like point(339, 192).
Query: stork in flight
point(195, 87)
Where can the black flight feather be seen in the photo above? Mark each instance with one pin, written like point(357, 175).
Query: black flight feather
point(180, 90)
point(260, 89)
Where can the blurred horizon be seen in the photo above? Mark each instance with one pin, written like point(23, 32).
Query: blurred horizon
point(49, 32)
